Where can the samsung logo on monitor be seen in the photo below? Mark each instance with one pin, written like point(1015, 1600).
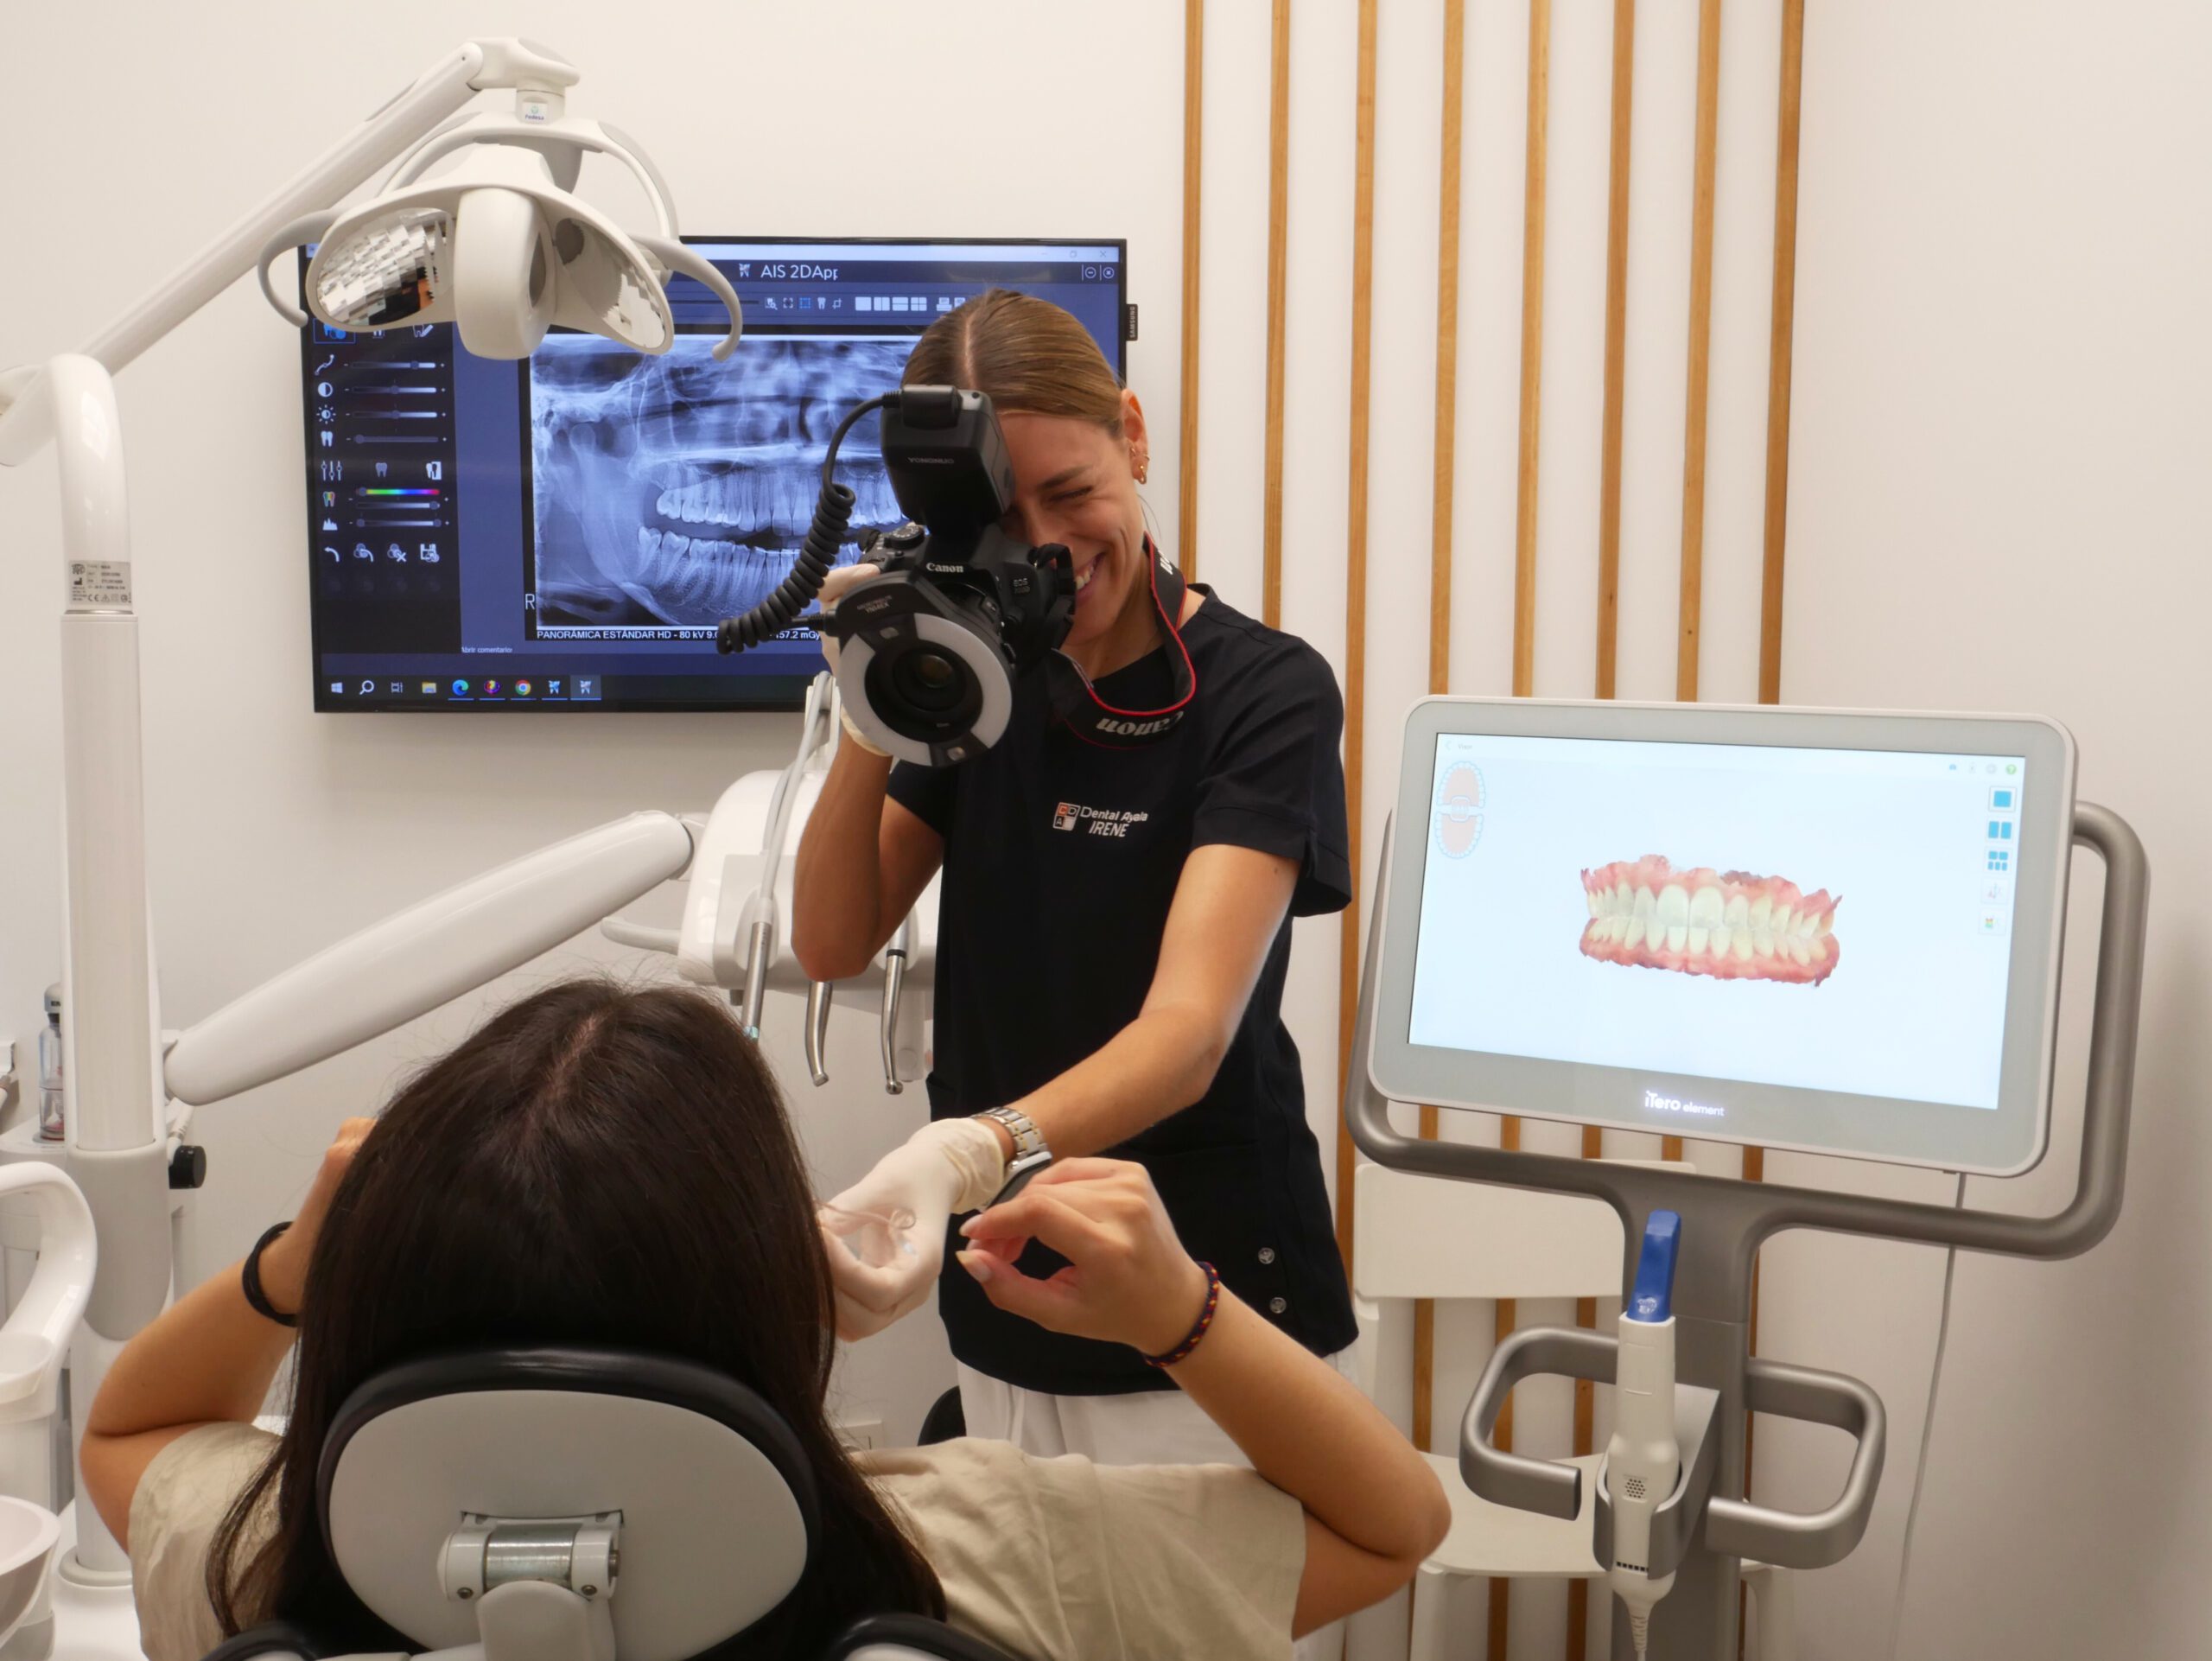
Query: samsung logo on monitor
point(1655, 1103)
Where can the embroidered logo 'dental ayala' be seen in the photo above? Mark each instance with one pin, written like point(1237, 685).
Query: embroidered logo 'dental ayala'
point(1098, 821)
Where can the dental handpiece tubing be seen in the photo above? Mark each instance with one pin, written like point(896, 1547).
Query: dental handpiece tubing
point(1644, 1459)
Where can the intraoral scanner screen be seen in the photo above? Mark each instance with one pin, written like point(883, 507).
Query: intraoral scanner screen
point(1832, 946)
point(566, 533)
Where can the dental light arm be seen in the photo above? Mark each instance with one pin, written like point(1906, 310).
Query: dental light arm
point(436, 95)
point(411, 963)
point(1644, 1459)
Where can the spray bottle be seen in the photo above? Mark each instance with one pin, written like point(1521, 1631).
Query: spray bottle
point(1643, 1460)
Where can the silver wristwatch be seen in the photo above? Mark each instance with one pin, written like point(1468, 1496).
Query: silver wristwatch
point(1027, 1139)
point(1031, 1155)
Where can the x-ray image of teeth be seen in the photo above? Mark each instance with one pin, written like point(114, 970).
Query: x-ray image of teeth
point(676, 490)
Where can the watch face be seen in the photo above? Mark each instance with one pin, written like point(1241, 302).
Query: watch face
point(1021, 1173)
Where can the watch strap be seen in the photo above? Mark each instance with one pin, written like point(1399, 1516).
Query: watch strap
point(1027, 1139)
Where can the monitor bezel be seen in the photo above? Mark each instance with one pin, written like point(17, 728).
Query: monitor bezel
point(2003, 1140)
point(773, 694)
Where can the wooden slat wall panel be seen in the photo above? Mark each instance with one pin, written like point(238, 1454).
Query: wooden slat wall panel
point(1524, 563)
point(1362, 335)
point(1778, 465)
point(1440, 556)
point(1701, 358)
point(1532, 352)
point(1778, 348)
point(1617, 313)
point(1609, 487)
point(1581, 1596)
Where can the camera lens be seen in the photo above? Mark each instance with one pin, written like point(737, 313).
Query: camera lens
point(927, 680)
point(923, 691)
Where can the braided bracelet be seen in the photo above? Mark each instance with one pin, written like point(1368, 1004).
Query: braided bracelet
point(1182, 1351)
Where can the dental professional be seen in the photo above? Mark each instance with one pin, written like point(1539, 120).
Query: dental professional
point(1114, 926)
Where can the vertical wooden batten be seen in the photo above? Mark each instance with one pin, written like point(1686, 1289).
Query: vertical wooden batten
point(1581, 1594)
point(1701, 354)
point(1439, 551)
point(1186, 487)
point(1362, 332)
point(1609, 487)
point(1779, 341)
point(1278, 283)
point(1532, 351)
point(1524, 551)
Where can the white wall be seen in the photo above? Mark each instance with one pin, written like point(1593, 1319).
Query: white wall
point(1999, 380)
point(136, 133)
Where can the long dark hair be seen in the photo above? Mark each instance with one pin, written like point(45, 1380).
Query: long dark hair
point(596, 1165)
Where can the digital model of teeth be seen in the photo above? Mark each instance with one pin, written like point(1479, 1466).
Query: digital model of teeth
point(1729, 925)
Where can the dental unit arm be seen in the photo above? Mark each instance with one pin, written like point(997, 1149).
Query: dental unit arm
point(1644, 1459)
point(739, 890)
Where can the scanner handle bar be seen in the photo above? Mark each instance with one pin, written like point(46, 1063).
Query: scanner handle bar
point(1541, 1486)
point(1732, 1528)
point(1736, 1528)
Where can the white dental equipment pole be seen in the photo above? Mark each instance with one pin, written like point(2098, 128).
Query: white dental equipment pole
point(1644, 1458)
point(759, 924)
point(116, 1147)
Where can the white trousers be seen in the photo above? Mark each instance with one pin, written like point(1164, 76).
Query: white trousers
point(1162, 1427)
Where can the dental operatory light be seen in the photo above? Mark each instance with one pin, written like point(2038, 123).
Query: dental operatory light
point(496, 243)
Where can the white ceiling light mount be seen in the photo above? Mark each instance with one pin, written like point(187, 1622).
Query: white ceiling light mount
point(496, 243)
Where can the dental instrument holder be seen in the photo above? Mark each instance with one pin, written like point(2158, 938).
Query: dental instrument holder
point(1707, 1527)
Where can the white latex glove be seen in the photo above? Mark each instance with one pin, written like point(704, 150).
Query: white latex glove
point(947, 1167)
point(834, 585)
point(841, 582)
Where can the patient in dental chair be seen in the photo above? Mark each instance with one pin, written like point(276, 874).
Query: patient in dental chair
point(605, 1165)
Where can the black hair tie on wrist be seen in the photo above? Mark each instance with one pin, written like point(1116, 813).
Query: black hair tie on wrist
point(1181, 1352)
point(249, 1279)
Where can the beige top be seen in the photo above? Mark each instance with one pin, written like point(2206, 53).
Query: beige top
point(1050, 1559)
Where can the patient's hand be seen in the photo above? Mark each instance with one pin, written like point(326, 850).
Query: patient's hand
point(284, 1264)
point(1128, 1280)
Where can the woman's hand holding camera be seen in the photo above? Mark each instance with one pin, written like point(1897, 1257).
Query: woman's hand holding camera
point(1128, 1279)
point(842, 581)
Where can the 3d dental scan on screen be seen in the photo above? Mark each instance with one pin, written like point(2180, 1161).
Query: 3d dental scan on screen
point(566, 531)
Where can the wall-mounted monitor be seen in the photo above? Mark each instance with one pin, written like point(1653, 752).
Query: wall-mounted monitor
point(564, 533)
point(1835, 933)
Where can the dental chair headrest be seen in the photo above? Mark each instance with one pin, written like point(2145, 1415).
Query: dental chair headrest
point(715, 1498)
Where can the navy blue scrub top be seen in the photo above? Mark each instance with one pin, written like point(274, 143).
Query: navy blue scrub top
point(1061, 859)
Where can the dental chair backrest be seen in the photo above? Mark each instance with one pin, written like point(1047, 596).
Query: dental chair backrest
point(573, 1504)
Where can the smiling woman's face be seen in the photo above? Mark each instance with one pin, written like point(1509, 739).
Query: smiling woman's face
point(1075, 483)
